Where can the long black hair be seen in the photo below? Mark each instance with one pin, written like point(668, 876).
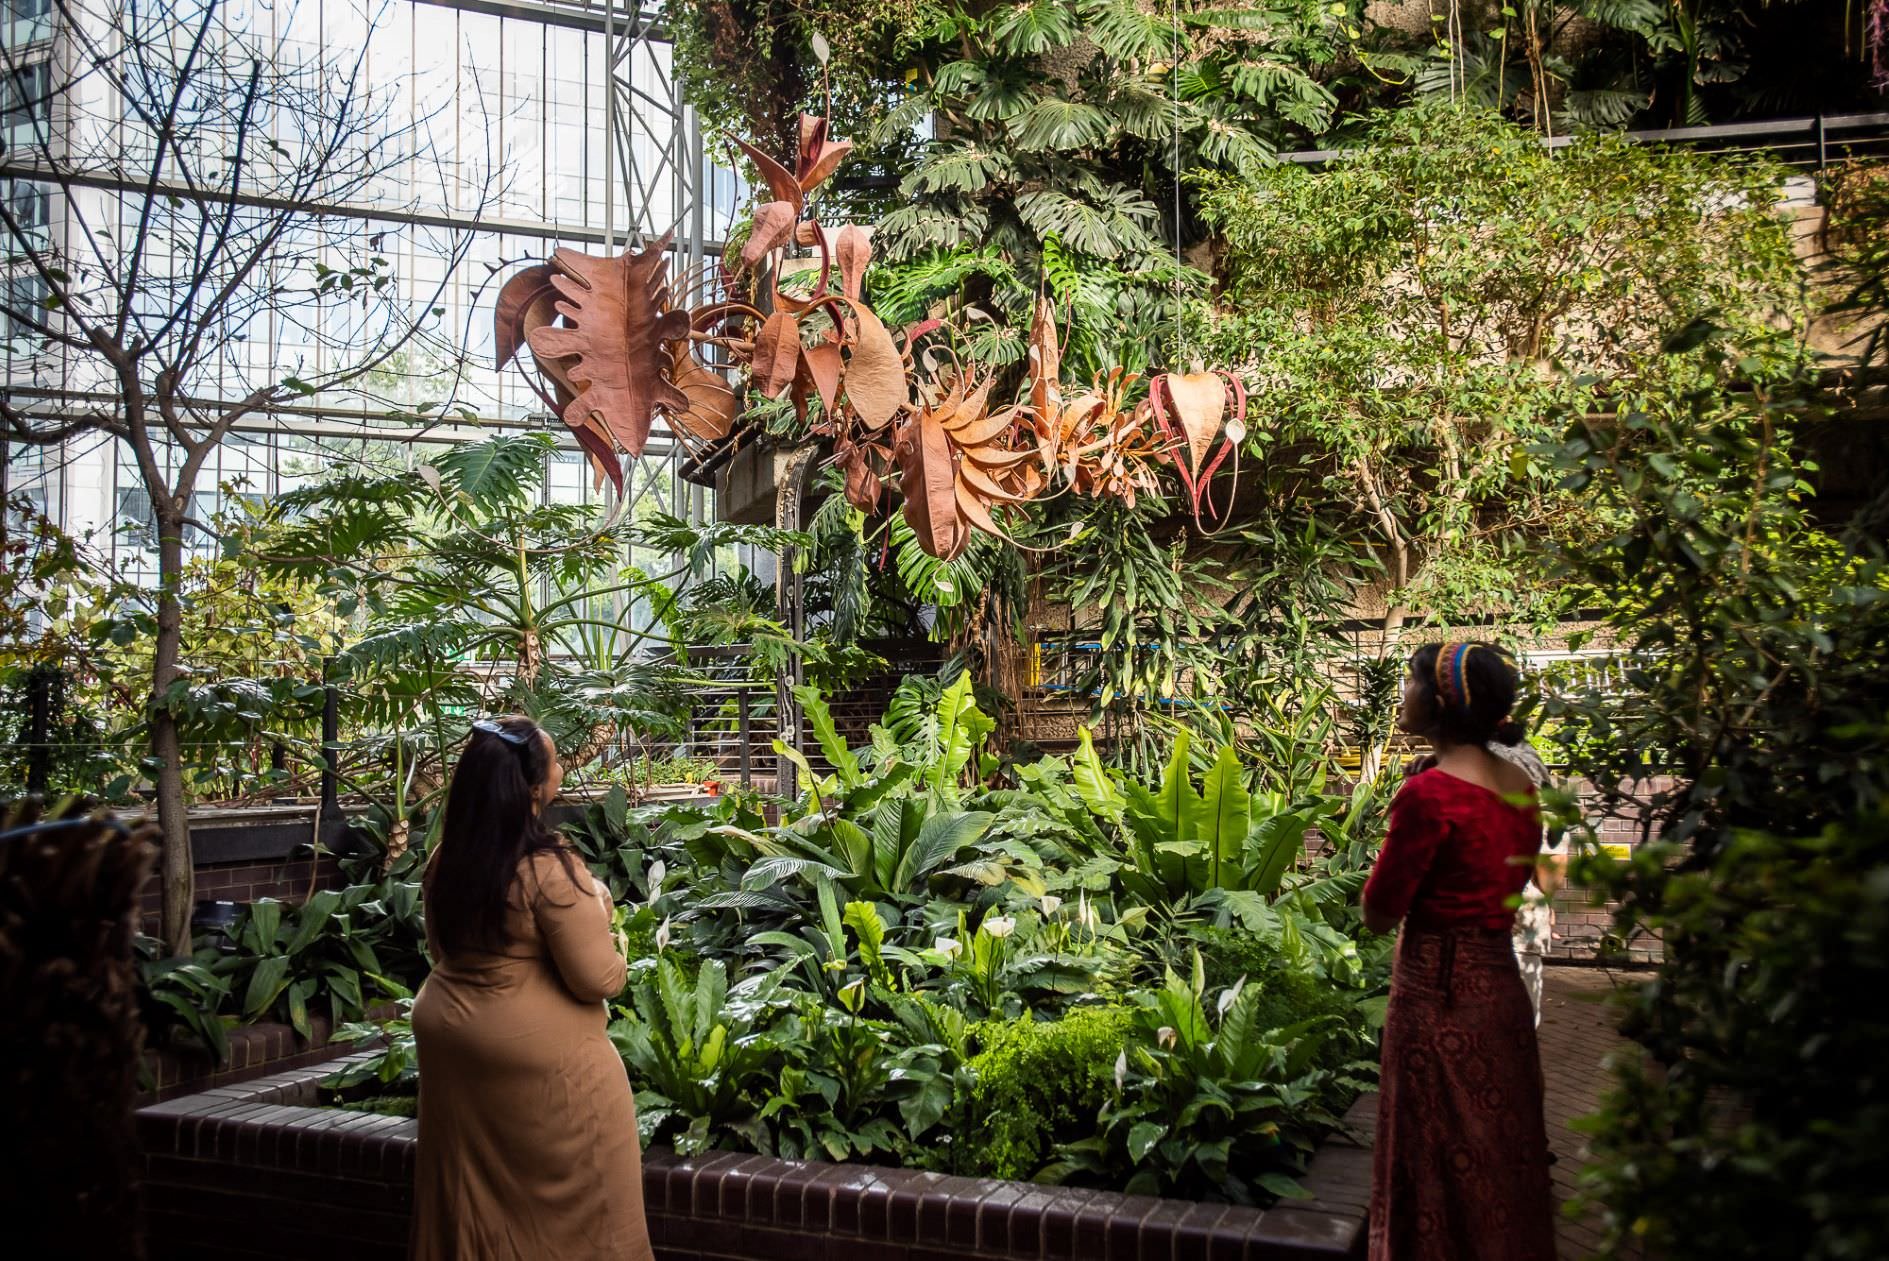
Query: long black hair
point(491, 825)
point(1468, 691)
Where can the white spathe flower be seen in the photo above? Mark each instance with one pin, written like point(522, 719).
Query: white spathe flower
point(1086, 914)
point(949, 947)
point(658, 872)
point(662, 937)
point(853, 993)
point(1230, 996)
point(1121, 1069)
point(1000, 926)
point(1166, 1037)
point(1051, 904)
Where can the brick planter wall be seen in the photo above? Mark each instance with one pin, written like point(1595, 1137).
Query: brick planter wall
point(255, 1051)
point(286, 879)
point(252, 1171)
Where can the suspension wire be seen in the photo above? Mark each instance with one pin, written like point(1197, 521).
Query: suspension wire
point(1174, 21)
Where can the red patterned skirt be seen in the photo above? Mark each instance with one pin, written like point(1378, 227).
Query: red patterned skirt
point(1461, 1162)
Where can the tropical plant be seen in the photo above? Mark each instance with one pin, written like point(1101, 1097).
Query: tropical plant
point(394, 1064)
point(328, 947)
point(182, 1001)
point(1600, 64)
point(1418, 318)
point(473, 595)
point(1061, 128)
point(700, 1053)
point(1213, 1105)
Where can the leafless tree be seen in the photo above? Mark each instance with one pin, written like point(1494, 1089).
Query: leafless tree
point(222, 208)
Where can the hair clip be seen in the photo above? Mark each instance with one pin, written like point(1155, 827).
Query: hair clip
point(491, 728)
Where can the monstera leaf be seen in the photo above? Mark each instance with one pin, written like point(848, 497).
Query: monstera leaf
point(620, 320)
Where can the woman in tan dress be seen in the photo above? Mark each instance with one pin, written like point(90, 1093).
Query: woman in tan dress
point(528, 1144)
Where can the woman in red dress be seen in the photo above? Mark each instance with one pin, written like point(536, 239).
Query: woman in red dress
point(1461, 1163)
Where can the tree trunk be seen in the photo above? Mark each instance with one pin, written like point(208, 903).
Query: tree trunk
point(1390, 630)
point(180, 886)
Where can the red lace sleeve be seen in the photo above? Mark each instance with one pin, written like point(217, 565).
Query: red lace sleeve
point(1410, 845)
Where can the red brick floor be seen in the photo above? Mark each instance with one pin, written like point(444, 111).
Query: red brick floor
point(1577, 1032)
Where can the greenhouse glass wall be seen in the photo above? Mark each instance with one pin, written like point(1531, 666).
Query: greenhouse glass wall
point(509, 127)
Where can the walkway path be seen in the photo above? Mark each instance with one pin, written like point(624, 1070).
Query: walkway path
point(1577, 1032)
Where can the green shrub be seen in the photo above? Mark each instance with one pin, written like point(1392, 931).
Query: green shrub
point(1284, 995)
point(386, 1105)
point(1038, 1084)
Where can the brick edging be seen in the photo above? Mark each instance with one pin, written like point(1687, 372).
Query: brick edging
point(229, 1168)
point(256, 1050)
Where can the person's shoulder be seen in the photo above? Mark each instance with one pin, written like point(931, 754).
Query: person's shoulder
point(1425, 783)
point(553, 865)
point(1425, 791)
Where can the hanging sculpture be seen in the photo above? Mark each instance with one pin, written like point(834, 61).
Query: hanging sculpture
point(614, 349)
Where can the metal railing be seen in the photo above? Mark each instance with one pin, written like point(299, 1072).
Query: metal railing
point(1810, 144)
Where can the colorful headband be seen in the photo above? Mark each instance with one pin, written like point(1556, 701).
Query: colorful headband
point(490, 728)
point(1452, 680)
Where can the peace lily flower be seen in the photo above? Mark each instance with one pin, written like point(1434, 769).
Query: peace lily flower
point(662, 937)
point(658, 872)
point(1121, 1069)
point(949, 947)
point(1166, 1036)
point(1051, 904)
point(1000, 926)
point(1086, 914)
point(1230, 996)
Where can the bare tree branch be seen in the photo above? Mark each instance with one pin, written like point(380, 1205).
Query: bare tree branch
point(20, 429)
point(166, 131)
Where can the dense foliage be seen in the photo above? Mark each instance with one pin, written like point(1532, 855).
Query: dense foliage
point(919, 967)
point(1486, 380)
point(1416, 318)
point(1746, 735)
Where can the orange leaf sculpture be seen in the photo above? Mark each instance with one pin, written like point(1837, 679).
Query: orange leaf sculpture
point(1199, 404)
point(956, 470)
point(929, 483)
point(776, 354)
point(1107, 447)
point(614, 351)
point(853, 251)
point(819, 156)
point(875, 381)
point(620, 323)
point(710, 414)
